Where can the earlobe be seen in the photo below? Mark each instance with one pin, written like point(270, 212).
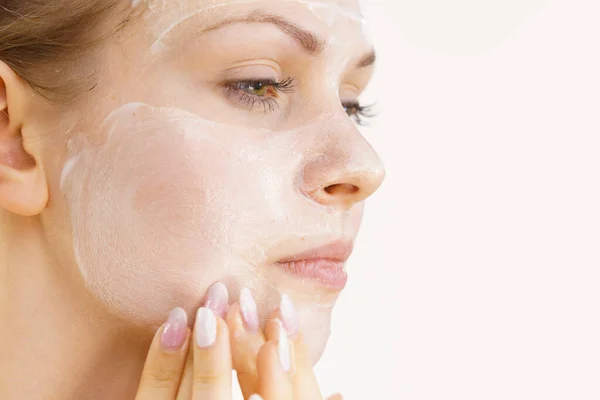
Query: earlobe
point(24, 193)
point(23, 186)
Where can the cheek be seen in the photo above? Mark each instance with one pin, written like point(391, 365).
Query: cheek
point(151, 224)
point(163, 205)
point(169, 182)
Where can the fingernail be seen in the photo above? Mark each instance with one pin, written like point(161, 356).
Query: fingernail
point(175, 330)
point(248, 310)
point(283, 347)
point(255, 397)
point(218, 299)
point(289, 315)
point(206, 327)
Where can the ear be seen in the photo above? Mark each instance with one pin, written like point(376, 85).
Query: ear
point(23, 186)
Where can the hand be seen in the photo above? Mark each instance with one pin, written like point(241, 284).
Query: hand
point(274, 363)
point(198, 366)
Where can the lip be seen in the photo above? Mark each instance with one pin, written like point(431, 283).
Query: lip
point(324, 265)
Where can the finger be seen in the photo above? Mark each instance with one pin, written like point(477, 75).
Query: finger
point(304, 379)
point(217, 299)
point(246, 340)
point(162, 372)
point(336, 397)
point(212, 357)
point(187, 379)
point(275, 365)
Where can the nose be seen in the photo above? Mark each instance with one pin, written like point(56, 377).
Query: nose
point(343, 169)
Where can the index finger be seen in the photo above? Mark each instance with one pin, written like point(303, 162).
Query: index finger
point(164, 364)
point(212, 357)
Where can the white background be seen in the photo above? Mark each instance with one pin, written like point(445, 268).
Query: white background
point(476, 275)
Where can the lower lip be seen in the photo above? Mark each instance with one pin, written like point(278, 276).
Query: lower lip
point(329, 273)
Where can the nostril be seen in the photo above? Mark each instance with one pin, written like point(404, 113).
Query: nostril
point(342, 189)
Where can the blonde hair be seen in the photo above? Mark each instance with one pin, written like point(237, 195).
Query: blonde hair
point(49, 43)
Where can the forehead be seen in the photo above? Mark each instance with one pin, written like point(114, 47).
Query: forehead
point(325, 17)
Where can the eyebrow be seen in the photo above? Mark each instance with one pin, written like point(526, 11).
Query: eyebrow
point(312, 43)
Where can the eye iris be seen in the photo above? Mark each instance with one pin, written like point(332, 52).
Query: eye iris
point(258, 89)
point(351, 109)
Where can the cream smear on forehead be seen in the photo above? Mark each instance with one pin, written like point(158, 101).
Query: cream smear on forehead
point(173, 15)
point(330, 13)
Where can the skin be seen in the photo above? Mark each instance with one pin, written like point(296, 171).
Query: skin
point(198, 187)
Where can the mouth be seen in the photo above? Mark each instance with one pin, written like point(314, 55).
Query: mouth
point(324, 265)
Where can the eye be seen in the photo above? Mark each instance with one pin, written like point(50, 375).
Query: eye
point(360, 114)
point(258, 88)
point(266, 92)
point(261, 92)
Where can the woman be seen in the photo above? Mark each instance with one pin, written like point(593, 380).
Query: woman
point(151, 149)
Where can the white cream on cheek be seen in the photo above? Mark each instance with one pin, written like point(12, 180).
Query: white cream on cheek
point(168, 203)
point(68, 167)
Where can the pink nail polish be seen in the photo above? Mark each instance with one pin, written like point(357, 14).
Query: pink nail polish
point(248, 310)
point(218, 299)
point(175, 330)
point(289, 315)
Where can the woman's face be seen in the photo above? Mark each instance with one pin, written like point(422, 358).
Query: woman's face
point(218, 147)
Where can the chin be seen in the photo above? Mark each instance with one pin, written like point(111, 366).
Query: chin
point(316, 345)
point(316, 329)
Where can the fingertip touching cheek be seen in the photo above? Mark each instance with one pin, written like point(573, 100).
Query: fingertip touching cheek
point(225, 154)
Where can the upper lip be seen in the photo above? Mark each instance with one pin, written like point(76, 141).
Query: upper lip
point(337, 251)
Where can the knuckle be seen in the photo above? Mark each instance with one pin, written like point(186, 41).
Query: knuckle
point(206, 378)
point(162, 377)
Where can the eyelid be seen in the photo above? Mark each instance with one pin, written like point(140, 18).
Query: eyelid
point(349, 91)
point(258, 62)
point(267, 69)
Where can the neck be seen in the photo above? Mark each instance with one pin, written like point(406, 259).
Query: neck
point(56, 342)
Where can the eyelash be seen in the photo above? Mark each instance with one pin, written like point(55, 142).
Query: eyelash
point(360, 114)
